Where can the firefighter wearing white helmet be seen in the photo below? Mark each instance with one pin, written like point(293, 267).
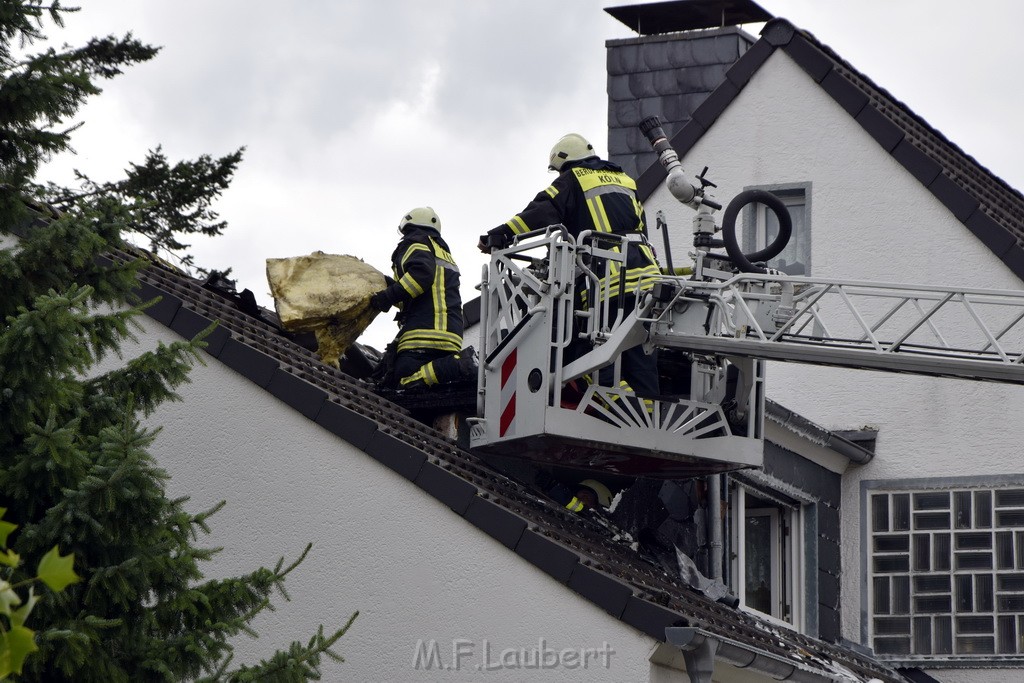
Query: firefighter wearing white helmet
point(428, 348)
point(572, 495)
point(591, 193)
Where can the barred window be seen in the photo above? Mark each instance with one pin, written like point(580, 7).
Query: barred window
point(945, 573)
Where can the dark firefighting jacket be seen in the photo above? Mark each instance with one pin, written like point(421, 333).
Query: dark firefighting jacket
point(597, 195)
point(426, 290)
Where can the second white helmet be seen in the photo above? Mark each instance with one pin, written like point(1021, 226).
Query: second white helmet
point(423, 216)
point(571, 147)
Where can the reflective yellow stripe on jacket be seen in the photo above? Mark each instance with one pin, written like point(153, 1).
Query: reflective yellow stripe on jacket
point(637, 279)
point(597, 183)
point(438, 336)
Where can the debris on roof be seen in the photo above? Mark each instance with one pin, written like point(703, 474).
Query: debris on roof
point(327, 294)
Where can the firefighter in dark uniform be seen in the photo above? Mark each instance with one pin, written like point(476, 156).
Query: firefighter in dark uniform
point(593, 194)
point(428, 349)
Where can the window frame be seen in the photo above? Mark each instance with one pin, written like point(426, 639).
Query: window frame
point(789, 562)
point(754, 221)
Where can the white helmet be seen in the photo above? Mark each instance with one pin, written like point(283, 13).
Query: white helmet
point(423, 216)
point(604, 495)
point(571, 147)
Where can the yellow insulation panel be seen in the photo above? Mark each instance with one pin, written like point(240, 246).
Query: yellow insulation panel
point(328, 294)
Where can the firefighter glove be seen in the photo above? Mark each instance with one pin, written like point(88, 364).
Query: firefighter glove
point(380, 301)
point(495, 239)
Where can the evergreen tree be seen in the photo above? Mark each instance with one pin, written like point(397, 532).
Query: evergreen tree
point(75, 471)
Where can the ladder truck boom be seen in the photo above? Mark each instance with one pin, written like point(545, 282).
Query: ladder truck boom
point(714, 328)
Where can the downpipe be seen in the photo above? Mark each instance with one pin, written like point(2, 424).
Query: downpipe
point(715, 534)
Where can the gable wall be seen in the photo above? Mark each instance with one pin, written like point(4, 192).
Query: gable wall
point(413, 567)
point(871, 220)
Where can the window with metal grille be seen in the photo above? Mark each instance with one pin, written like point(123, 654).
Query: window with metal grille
point(945, 573)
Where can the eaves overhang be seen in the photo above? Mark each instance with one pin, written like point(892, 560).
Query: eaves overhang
point(849, 444)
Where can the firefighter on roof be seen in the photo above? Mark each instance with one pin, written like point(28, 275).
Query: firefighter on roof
point(592, 194)
point(428, 348)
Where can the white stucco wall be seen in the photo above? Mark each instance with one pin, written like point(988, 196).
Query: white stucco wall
point(871, 220)
point(413, 568)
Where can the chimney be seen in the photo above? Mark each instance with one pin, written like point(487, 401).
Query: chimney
point(681, 54)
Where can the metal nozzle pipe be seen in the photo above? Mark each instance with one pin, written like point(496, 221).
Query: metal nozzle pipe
point(677, 184)
point(651, 128)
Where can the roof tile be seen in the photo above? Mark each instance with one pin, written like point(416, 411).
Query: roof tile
point(506, 527)
point(920, 165)
point(188, 324)
point(810, 58)
point(880, 127)
point(993, 235)
point(953, 196)
point(778, 32)
point(553, 559)
point(452, 490)
point(345, 423)
point(297, 393)
point(751, 60)
point(163, 310)
point(403, 458)
point(242, 358)
point(712, 107)
point(605, 591)
point(650, 617)
point(846, 94)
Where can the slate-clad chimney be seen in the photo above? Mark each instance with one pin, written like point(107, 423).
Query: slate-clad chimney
point(681, 54)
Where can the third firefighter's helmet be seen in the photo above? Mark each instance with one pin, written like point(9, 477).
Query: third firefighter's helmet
point(571, 147)
point(423, 216)
point(602, 492)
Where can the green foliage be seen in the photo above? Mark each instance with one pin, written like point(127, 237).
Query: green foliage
point(75, 467)
point(17, 641)
point(163, 201)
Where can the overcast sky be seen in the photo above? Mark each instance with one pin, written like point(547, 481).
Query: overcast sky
point(354, 111)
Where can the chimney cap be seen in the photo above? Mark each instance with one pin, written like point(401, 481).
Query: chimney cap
point(687, 15)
